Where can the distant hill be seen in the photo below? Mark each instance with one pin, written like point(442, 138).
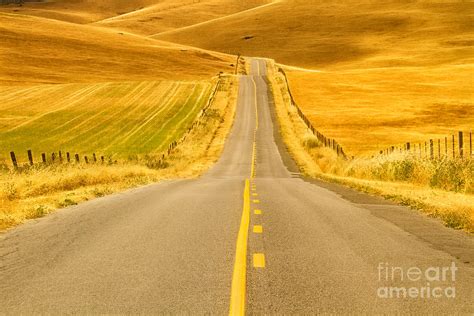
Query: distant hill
point(39, 50)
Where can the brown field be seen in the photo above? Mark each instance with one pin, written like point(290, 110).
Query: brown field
point(390, 72)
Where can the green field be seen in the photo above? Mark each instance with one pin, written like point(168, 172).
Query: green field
point(118, 119)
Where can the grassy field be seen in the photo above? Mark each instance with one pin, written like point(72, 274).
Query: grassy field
point(370, 74)
point(118, 119)
point(165, 111)
point(439, 188)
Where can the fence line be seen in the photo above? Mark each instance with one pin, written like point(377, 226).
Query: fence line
point(55, 157)
point(326, 141)
point(437, 148)
point(197, 122)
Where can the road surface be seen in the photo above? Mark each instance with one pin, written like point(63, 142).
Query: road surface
point(171, 247)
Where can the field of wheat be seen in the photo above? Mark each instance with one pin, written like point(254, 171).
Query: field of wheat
point(114, 119)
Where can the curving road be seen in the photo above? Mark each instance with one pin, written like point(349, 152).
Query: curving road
point(170, 248)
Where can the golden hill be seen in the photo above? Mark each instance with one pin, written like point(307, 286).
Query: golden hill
point(82, 11)
point(390, 72)
point(39, 50)
point(164, 16)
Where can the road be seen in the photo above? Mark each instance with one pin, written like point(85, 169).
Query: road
point(172, 247)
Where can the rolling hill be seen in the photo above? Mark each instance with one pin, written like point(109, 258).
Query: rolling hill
point(39, 50)
point(393, 71)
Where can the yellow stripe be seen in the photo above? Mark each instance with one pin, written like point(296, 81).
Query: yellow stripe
point(257, 212)
point(237, 297)
point(256, 201)
point(258, 229)
point(258, 260)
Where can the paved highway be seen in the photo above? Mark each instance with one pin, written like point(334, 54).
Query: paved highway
point(278, 244)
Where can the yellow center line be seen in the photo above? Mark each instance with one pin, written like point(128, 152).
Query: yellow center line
point(239, 276)
point(257, 212)
point(258, 229)
point(237, 297)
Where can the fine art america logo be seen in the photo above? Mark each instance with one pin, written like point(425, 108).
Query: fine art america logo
point(415, 282)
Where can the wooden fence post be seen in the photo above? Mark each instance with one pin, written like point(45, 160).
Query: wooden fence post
point(454, 149)
point(43, 157)
point(461, 145)
point(439, 148)
point(53, 157)
point(470, 144)
point(30, 157)
point(94, 156)
point(102, 159)
point(13, 157)
point(446, 147)
point(86, 159)
point(431, 149)
point(68, 157)
point(60, 157)
point(77, 158)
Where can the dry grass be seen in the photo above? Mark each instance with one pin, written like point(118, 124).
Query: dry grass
point(136, 15)
point(369, 110)
point(172, 15)
point(440, 189)
point(390, 71)
point(36, 191)
point(37, 50)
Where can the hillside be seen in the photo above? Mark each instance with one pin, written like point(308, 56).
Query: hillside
point(84, 11)
point(391, 71)
point(39, 50)
point(164, 17)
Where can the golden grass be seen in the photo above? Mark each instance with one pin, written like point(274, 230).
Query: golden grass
point(37, 191)
point(371, 109)
point(37, 50)
point(84, 11)
point(172, 15)
point(391, 72)
point(455, 209)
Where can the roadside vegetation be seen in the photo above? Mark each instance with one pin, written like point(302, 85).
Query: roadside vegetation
point(34, 191)
point(440, 188)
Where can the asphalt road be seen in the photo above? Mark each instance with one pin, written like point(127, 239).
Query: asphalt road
point(169, 248)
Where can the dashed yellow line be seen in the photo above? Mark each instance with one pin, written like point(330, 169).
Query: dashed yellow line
point(258, 260)
point(257, 212)
point(239, 276)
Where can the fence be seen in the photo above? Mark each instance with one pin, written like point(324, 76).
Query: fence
point(449, 147)
point(57, 157)
point(326, 141)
